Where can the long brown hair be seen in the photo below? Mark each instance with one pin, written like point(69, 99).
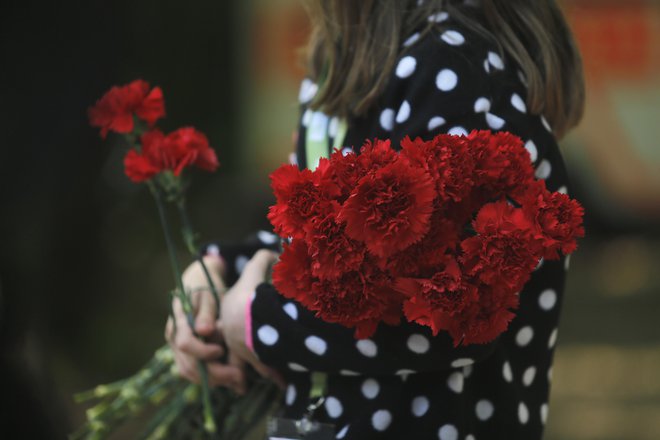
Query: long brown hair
point(355, 43)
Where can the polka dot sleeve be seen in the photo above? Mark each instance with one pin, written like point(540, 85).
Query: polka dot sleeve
point(289, 337)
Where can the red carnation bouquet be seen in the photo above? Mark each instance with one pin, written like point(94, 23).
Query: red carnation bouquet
point(444, 233)
point(178, 408)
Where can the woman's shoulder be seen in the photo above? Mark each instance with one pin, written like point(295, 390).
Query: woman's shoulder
point(454, 44)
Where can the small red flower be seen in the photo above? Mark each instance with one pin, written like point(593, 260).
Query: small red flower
point(174, 152)
point(191, 147)
point(505, 250)
point(116, 109)
point(502, 164)
point(449, 162)
point(485, 319)
point(359, 299)
point(390, 208)
point(559, 220)
point(292, 273)
point(333, 252)
point(301, 200)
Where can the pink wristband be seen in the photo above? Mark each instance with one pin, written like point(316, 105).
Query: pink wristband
point(248, 323)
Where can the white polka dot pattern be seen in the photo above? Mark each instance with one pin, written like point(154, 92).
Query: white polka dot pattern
point(446, 80)
point(482, 105)
point(524, 336)
point(435, 122)
point(528, 376)
point(484, 409)
point(544, 413)
point(403, 113)
point(494, 122)
point(411, 40)
point(290, 395)
point(462, 362)
point(518, 103)
point(495, 60)
point(342, 433)
point(333, 407)
point(367, 347)
point(316, 345)
point(457, 131)
point(387, 119)
point(268, 335)
point(530, 146)
point(448, 432)
point(523, 413)
point(553, 339)
point(506, 372)
point(439, 17)
point(406, 67)
point(291, 310)
point(543, 169)
point(418, 344)
point(420, 405)
point(453, 38)
point(381, 420)
point(455, 381)
point(296, 367)
point(370, 388)
point(548, 299)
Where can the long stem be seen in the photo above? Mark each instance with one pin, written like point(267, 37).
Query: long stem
point(209, 422)
point(189, 238)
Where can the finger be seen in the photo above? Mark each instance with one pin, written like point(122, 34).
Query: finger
point(185, 341)
point(187, 367)
point(256, 269)
point(269, 373)
point(206, 315)
point(226, 375)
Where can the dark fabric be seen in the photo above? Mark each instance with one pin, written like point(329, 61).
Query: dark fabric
point(403, 381)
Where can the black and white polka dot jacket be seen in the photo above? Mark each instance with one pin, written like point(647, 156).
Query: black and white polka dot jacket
point(404, 382)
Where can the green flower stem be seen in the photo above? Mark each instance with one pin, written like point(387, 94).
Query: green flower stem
point(209, 422)
point(100, 391)
point(189, 239)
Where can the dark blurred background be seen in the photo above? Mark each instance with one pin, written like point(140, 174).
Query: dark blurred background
point(83, 270)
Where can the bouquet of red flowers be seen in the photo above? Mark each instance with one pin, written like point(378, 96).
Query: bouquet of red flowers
point(444, 233)
point(178, 408)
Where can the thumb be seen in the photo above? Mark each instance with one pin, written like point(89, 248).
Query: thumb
point(206, 314)
point(257, 268)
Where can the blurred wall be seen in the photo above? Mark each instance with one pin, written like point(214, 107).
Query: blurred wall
point(84, 276)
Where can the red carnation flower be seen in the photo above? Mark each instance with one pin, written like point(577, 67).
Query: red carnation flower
point(390, 208)
point(301, 197)
point(359, 299)
point(502, 164)
point(484, 320)
point(559, 220)
point(439, 300)
point(376, 154)
point(174, 152)
point(505, 251)
point(345, 170)
point(423, 258)
point(150, 160)
point(191, 147)
point(292, 273)
point(115, 110)
point(333, 252)
point(449, 162)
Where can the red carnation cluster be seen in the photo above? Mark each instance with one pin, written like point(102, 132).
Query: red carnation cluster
point(118, 110)
point(115, 111)
point(445, 233)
